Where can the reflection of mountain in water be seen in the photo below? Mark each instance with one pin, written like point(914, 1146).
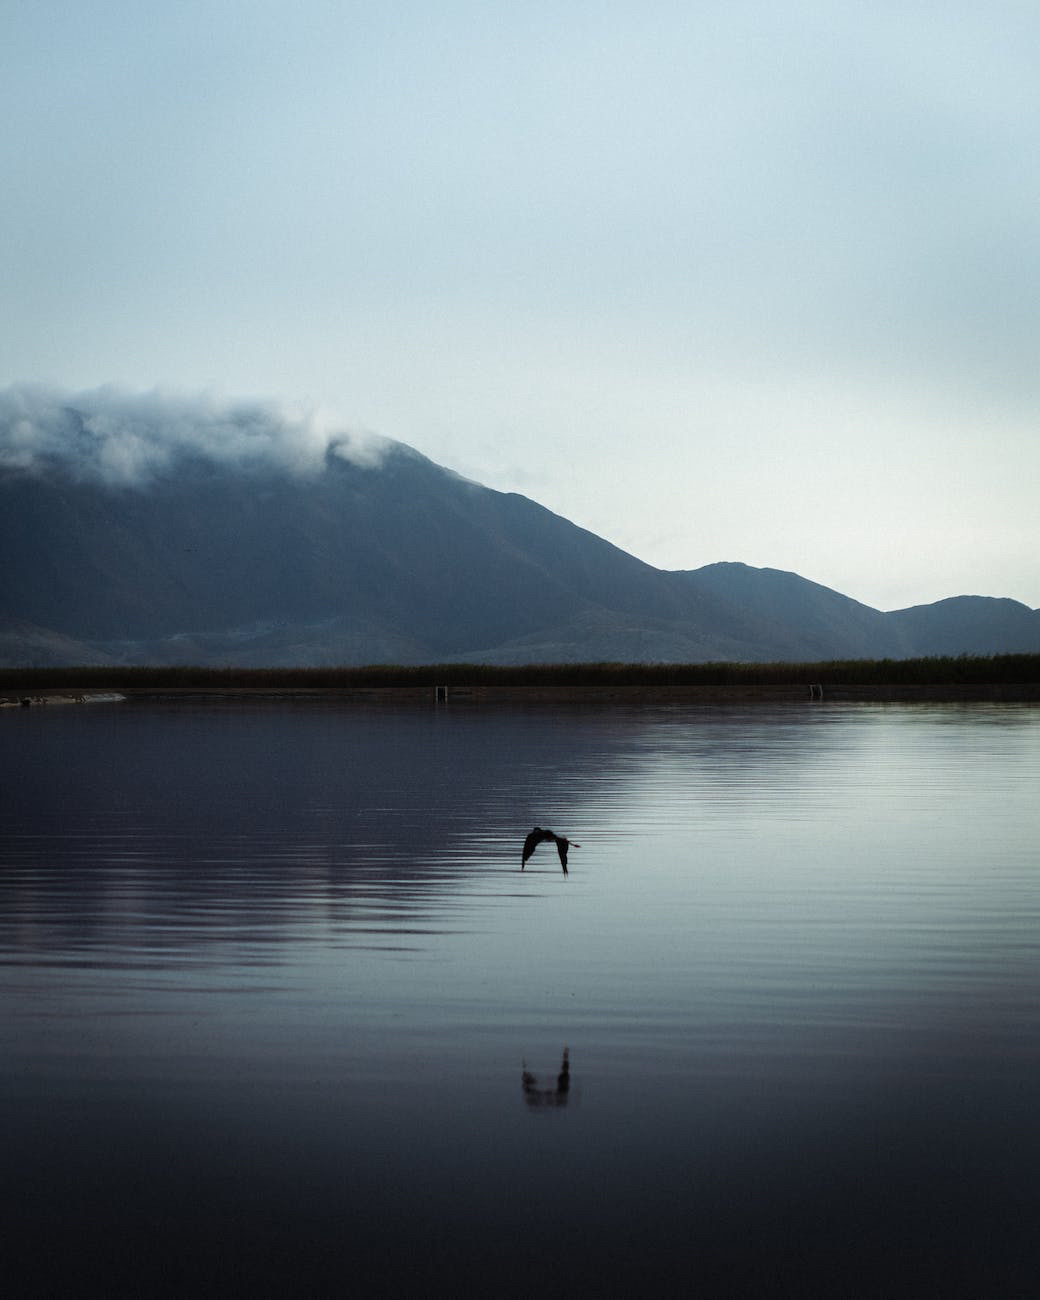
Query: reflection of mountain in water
point(248, 825)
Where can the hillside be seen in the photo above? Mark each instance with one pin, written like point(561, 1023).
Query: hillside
point(395, 559)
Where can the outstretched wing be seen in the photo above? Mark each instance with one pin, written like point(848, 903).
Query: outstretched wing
point(562, 845)
point(531, 843)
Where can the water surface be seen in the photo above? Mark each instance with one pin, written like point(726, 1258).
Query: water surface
point(282, 1015)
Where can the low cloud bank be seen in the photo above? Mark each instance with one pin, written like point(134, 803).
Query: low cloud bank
point(128, 439)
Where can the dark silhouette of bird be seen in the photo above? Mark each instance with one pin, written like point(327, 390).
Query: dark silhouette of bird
point(537, 836)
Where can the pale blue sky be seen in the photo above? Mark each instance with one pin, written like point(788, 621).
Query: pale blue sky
point(718, 280)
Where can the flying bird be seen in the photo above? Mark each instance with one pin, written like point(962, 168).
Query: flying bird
point(537, 836)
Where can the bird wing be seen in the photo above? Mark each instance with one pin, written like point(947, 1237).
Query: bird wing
point(562, 845)
point(531, 843)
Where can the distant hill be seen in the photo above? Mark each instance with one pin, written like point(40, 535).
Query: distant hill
point(395, 559)
point(23, 644)
point(969, 625)
point(799, 619)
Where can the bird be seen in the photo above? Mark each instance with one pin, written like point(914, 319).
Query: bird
point(537, 836)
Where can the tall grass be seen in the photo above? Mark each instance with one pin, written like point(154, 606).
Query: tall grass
point(961, 670)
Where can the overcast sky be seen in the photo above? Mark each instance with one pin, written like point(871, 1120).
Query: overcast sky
point(718, 280)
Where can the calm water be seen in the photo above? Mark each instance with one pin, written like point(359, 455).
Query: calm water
point(281, 1015)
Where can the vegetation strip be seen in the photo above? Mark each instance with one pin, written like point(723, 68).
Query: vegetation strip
point(952, 671)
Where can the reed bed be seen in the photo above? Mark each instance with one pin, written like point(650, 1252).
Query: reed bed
point(949, 671)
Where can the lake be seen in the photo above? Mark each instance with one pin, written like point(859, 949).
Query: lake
point(281, 1015)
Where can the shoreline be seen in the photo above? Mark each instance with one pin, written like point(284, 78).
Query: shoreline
point(600, 695)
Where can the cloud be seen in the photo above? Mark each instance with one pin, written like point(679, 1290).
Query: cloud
point(128, 439)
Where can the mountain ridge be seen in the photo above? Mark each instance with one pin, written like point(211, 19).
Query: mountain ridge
point(396, 559)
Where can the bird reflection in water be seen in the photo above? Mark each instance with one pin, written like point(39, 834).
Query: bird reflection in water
point(539, 1098)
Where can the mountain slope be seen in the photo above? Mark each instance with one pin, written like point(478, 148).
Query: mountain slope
point(797, 618)
point(394, 559)
point(404, 551)
point(969, 625)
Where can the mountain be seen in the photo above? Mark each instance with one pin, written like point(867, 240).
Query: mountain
point(395, 559)
point(969, 625)
point(358, 561)
point(23, 643)
point(798, 619)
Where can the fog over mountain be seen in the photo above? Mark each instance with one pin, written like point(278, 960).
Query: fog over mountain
point(157, 529)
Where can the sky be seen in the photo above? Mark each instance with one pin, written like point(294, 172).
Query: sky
point(714, 279)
